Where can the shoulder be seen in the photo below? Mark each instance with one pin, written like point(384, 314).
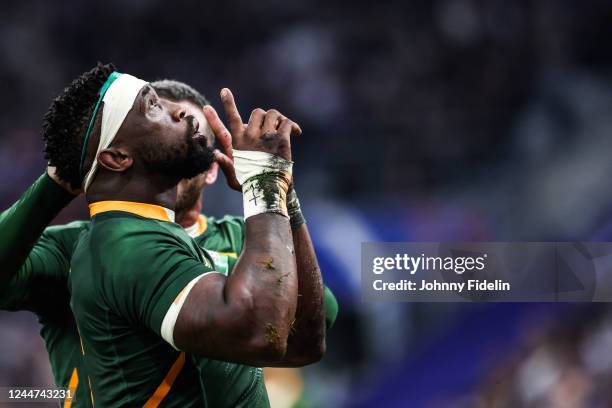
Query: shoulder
point(232, 223)
point(230, 226)
point(114, 242)
point(223, 234)
point(73, 228)
point(64, 236)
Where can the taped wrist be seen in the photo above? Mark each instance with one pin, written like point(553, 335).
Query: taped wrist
point(265, 180)
point(296, 218)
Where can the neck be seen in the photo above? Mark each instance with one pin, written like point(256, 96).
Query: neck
point(151, 189)
point(190, 216)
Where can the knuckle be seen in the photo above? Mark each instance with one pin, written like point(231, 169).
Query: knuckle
point(270, 140)
point(257, 111)
point(273, 112)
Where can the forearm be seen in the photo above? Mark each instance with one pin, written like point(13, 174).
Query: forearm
point(261, 293)
point(306, 342)
point(266, 272)
point(22, 224)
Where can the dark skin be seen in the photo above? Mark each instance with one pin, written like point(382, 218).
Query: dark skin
point(306, 340)
point(120, 175)
point(243, 318)
point(306, 343)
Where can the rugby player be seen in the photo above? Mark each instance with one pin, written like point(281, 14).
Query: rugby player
point(226, 237)
point(141, 289)
point(40, 284)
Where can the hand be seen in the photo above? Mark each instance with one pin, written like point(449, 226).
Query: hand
point(51, 171)
point(266, 131)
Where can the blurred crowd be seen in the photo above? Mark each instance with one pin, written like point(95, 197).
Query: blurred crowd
point(566, 365)
point(424, 120)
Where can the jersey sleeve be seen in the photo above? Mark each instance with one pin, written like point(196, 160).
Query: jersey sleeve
point(331, 308)
point(151, 271)
point(232, 228)
point(22, 224)
point(41, 281)
point(224, 261)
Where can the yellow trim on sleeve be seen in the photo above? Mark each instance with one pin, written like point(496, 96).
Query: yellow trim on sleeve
point(164, 388)
point(153, 211)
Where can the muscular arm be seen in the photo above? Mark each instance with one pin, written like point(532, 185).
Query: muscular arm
point(306, 342)
point(246, 317)
point(22, 224)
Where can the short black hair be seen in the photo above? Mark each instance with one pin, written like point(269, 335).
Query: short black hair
point(64, 123)
point(179, 91)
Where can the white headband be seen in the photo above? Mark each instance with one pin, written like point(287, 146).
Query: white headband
point(118, 101)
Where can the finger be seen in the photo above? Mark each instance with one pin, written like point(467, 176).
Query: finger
point(234, 120)
point(227, 167)
point(271, 121)
point(296, 129)
point(288, 127)
point(220, 131)
point(255, 122)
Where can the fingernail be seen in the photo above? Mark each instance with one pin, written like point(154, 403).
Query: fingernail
point(224, 93)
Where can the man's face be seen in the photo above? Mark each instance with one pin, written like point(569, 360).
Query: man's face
point(189, 190)
point(165, 138)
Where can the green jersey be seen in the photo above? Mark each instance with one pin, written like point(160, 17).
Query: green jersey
point(40, 286)
point(126, 272)
point(39, 268)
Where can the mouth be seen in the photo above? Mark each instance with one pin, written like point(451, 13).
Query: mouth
point(199, 137)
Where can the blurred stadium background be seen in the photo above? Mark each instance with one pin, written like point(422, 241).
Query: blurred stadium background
point(423, 121)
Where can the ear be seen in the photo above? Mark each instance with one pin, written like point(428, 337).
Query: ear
point(115, 159)
point(211, 174)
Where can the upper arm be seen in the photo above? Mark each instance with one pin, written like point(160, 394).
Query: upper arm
point(210, 326)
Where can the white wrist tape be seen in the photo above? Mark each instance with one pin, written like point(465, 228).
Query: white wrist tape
point(265, 179)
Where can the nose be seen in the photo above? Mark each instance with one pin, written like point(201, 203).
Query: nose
point(177, 111)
